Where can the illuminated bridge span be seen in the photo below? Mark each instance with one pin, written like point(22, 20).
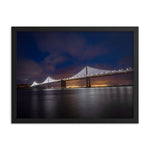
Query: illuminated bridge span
point(48, 80)
point(85, 73)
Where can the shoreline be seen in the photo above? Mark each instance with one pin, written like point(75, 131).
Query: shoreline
point(75, 87)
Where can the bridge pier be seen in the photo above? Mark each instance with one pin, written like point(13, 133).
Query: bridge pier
point(88, 82)
point(63, 84)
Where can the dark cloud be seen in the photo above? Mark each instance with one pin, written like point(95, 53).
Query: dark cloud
point(51, 61)
point(91, 52)
point(72, 44)
point(126, 62)
point(28, 70)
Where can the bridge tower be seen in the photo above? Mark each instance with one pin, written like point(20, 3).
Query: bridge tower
point(63, 84)
point(88, 81)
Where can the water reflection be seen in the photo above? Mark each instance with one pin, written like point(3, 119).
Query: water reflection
point(103, 102)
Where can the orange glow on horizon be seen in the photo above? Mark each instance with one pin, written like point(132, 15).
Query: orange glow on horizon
point(99, 85)
point(73, 86)
point(102, 85)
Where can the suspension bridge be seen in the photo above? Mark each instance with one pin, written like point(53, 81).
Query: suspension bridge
point(86, 73)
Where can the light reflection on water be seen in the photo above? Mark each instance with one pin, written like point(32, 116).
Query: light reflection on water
point(103, 102)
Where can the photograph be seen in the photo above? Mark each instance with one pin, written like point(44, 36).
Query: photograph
point(74, 74)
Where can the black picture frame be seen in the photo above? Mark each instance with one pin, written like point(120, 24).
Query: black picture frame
point(14, 118)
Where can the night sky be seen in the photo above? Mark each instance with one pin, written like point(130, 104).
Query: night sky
point(63, 54)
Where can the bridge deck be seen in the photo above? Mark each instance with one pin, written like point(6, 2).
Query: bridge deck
point(102, 75)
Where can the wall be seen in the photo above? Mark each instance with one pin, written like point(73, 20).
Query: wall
point(74, 136)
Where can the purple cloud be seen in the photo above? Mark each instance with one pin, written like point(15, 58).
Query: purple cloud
point(28, 70)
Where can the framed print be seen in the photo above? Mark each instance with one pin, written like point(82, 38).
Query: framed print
point(74, 74)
